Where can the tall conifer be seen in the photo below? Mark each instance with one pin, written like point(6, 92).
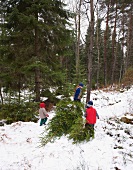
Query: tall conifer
point(38, 34)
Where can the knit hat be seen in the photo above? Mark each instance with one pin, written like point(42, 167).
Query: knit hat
point(81, 84)
point(42, 105)
point(90, 104)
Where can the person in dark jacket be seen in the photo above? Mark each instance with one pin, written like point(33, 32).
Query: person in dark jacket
point(91, 116)
point(77, 94)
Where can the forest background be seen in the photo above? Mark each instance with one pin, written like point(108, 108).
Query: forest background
point(42, 47)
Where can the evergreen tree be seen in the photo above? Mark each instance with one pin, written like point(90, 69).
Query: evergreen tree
point(37, 36)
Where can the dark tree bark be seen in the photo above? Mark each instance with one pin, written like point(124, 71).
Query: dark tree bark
point(78, 32)
point(37, 70)
point(114, 46)
point(1, 96)
point(105, 47)
point(90, 52)
point(129, 56)
point(98, 53)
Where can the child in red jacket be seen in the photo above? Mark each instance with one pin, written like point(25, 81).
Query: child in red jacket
point(91, 115)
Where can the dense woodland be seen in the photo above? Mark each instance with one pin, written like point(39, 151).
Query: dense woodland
point(41, 46)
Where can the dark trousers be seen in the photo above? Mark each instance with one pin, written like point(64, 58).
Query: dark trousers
point(43, 121)
point(90, 128)
point(78, 100)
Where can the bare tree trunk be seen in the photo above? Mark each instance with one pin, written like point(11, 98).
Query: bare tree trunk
point(78, 32)
point(128, 62)
point(19, 89)
point(114, 47)
point(37, 70)
point(1, 96)
point(120, 76)
point(123, 37)
point(37, 84)
point(105, 47)
point(90, 51)
point(98, 52)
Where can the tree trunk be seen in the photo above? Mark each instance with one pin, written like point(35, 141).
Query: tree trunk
point(90, 52)
point(37, 70)
point(78, 32)
point(123, 41)
point(129, 55)
point(37, 84)
point(19, 89)
point(114, 47)
point(1, 96)
point(105, 47)
point(98, 53)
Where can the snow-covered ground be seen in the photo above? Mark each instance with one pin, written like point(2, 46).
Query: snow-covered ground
point(111, 149)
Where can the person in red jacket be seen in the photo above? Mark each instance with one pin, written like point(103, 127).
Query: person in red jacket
point(91, 116)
